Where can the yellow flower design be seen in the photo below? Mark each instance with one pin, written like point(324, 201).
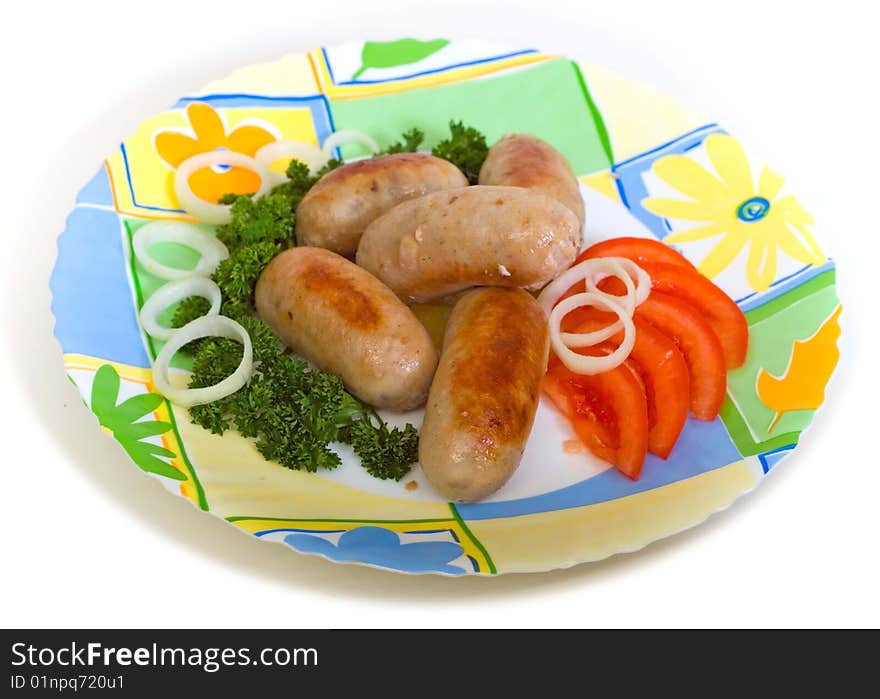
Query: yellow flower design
point(210, 134)
point(734, 209)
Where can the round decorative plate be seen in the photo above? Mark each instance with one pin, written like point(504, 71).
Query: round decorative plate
point(647, 165)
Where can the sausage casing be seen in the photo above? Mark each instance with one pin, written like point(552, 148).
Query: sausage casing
point(444, 242)
point(485, 393)
point(521, 160)
point(338, 316)
point(341, 204)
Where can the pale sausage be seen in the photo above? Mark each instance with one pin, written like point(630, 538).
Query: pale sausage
point(337, 209)
point(485, 393)
point(521, 160)
point(338, 316)
point(444, 242)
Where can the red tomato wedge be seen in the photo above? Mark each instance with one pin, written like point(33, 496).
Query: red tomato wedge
point(691, 332)
point(608, 411)
point(638, 250)
point(661, 368)
point(685, 325)
point(725, 317)
point(664, 372)
point(688, 333)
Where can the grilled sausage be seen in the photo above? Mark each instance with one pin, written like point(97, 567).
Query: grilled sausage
point(339, 207)
point(520, 160)
point(348, 323)
point(485, 393)
point(430, 247)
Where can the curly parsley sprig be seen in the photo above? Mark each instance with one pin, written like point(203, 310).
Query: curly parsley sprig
point(292, 412)
point(409, 143)
point(466, 148)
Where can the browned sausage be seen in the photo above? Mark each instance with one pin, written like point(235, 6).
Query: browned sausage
point(485, 393)
point(444, 242)
point(339, 207)
point(333, 313)
point(520, 160)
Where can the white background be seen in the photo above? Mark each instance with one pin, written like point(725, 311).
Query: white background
point(87, 540)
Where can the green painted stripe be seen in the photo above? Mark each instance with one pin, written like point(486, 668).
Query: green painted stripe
point(137, 284)
point(346, 521)
point(474, 539)
point(203, 500)
point(756, 315)
point(742, 437)
point(597, 115)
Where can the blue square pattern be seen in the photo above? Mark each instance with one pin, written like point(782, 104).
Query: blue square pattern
point(770, 458)
point(97, 191)
point(91, 298)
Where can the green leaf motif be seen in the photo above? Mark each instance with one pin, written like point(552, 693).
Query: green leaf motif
point(388, 54)
point(124, 421)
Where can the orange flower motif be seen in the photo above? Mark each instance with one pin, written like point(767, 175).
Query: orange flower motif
point(210, 134)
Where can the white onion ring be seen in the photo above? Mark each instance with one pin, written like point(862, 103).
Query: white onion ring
point(626, 270)
point(338, 138)
point(579, 363)
point(597, 267)
point(201, 209)
point(306, 153)
point(609, 267)
point(212, 251)
point(627, 302)
point(555, 289)
point(175, 291)
point(591, 272)
point(206, 326)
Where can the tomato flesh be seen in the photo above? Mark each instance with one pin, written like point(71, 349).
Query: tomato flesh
point(725, 317)
point(671, 273)
point(638, 250)
point(691, 332)
point(686, 326)
point(608, 412)
point(688, 333)
point(662, 370)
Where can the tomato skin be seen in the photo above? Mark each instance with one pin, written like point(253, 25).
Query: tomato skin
point(691, 332)
point(638, 250)
point(665, 375)
point(608, 412)
point(671, 273)
point(725, 317)
point(688, 332)
point(683, 323)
